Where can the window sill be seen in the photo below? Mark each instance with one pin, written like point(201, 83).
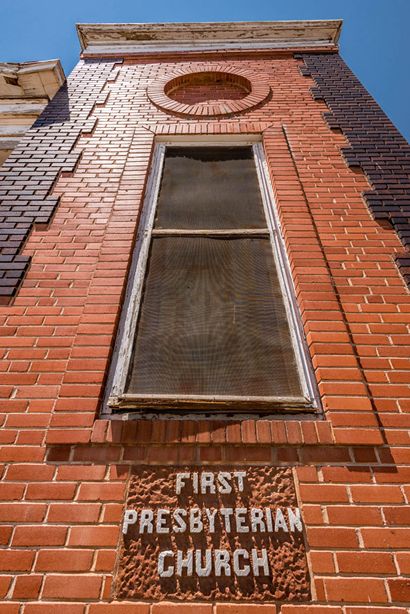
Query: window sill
point(203, 403)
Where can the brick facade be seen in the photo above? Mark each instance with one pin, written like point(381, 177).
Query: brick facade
point(375, 145)
point(65, 470)
point(31, 171)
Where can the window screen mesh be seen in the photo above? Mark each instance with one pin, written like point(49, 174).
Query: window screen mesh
point(212, 321)
point(209, 188)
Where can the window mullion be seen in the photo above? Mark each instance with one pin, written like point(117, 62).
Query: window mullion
point(209, 232)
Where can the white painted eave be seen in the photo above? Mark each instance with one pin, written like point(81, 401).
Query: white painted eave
point(24, 68)
point(128, 38)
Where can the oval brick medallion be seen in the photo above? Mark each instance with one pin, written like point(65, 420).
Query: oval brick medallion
point(209, 92)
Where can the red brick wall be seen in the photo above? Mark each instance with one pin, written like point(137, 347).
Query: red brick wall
point(64, 472)
point(203, 87)
point(190, 94)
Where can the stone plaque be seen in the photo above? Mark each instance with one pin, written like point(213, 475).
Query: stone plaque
point(225, 533)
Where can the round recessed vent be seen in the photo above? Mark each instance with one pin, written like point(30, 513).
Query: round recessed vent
point(208, 87)
point(209, 92)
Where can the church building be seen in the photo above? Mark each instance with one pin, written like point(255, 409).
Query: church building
point(205, 342)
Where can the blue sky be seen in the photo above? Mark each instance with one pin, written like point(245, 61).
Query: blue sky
point(375, 39)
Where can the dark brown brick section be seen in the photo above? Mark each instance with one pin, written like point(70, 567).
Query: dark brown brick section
point(375, 143)
point(28, 175)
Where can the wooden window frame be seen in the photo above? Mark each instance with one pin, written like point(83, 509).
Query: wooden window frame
point(116, 399)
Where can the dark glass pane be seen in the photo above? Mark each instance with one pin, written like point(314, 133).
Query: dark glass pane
point(209, 187)
point(212, 321)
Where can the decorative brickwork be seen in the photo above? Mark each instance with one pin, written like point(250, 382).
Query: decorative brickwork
point(253, 90)
point(375, 143)
point(28, 175)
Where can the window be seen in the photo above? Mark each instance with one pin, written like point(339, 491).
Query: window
point(211, 322)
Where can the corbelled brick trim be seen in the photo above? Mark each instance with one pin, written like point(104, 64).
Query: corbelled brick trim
point(375, 144)
point(28, 175)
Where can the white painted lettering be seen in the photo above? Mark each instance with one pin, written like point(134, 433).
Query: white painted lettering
point(295, 521)
point(162, 516)
point(269, 523)
point(169, 571)
point(222, 563)
point(240, 475)
point(226, 513)
point(210, 514)
point(195, 520)
point(260, 562)
point(203, 571)
point(146, 518)
point(180, 482)
point(257, 520)
point(185, 563)
point(195, 482)
point(224, 482)
point(240, 517)
point(179, 515)
point(130, 517)
point(280, 522)
point(238, 569)
point(207, 483)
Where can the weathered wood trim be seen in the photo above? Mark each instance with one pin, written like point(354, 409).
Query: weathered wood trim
point(307, 378)
point(206, 403)
point(144, 236)
point(125, 38)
